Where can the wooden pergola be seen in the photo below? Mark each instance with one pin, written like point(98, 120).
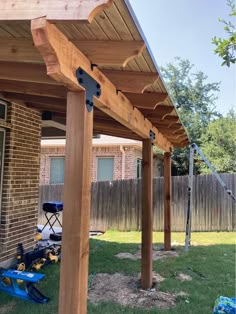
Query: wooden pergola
point(100, 77)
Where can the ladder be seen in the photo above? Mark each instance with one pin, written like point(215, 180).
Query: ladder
point(195, 149)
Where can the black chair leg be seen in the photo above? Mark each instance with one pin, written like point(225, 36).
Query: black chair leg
point(55, 215)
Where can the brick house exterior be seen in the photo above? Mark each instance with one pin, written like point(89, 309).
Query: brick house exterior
point(125, 153)
point(20, 182)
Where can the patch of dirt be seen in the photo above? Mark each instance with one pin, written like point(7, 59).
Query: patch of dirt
point(6, 308)
point(125, 290)
point(184, 277)
point(156, 255)
point(182, 294)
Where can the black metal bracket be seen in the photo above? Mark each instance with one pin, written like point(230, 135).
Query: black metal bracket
point(91, 86)
point(47, 115)
point(152, 135)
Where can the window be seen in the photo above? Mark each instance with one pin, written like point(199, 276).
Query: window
point(2, 149)
point(57, 170)
point(139, 168)
point(3, 110)
point(105, 169)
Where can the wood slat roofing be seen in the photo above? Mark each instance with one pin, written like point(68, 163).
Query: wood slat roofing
point(116, 23)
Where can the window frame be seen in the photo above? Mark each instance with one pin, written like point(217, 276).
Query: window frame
point(55, 157)
point(5, 105)
point(105, 157)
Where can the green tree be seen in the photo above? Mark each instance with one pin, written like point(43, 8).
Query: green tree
point(195, 100)
point(219, 144)
point(226, 47)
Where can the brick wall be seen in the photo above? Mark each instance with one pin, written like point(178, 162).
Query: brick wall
point(20, 193)
point(130, 156)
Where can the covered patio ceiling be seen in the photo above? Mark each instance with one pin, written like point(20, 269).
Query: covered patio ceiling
point(111, 42)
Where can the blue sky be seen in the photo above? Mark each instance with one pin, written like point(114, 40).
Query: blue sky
point(185, 28)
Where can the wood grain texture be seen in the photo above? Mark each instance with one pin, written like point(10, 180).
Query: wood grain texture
point(147, 214)
point(76, 213)
point(167, 201)
point(117, 206)
point(62, 59)
point(19, 50)
point(33, 88)
point(146, 100)
point(106, 52)
point(58, 10)
point(25, 72)
point(134, 82)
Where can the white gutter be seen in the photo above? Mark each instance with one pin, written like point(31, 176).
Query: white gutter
point(122, 162)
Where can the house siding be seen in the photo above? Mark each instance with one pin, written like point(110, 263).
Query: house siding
point(20, 191)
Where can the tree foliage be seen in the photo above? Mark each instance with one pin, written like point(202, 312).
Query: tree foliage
point(195, 99)
point(226, 47)
point(219, 144)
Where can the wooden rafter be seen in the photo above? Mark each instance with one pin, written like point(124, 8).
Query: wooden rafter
point(16, 71)
point(165, 121)
point(56, 11)
point(46, 107)
point(134, 82)
point(19, 50)
point(33, 88)
point(62, 59)
point(60, 102)
point(146, 100)
point(160, 112)
point(106, 52)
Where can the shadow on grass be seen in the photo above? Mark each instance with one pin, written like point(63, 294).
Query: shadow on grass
point(211, 268)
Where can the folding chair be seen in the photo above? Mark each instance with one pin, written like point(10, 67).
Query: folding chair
point(52, 212)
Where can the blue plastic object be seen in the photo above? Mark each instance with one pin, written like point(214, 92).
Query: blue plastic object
point(224, 305)
point(53, 207)
point(26, 290)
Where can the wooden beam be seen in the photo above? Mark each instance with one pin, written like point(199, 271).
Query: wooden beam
point(62, 59)
point(123, 134)
point(76, 213)
point(22, 72)
point(19, 50)
point(55, 11)
point(110, 52)
point(146, 100)
point(32, 88)
point(167, 201)
point(164, 123)
point(171, 128)
point(60, 102)
point(53, 124)
point(113, 128)
point(52, 108)
point(134, 82)
point(147, 214)
point(159, 113)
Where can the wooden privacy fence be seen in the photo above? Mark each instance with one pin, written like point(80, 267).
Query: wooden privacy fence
point(117, 204)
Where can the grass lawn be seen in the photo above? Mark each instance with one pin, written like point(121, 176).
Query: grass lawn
point(211, 263)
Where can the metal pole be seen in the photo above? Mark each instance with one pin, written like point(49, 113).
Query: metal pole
point(190, 197)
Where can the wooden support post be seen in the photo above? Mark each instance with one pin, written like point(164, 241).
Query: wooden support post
point(167, 201)
point(147, 214)
point(77, 189)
